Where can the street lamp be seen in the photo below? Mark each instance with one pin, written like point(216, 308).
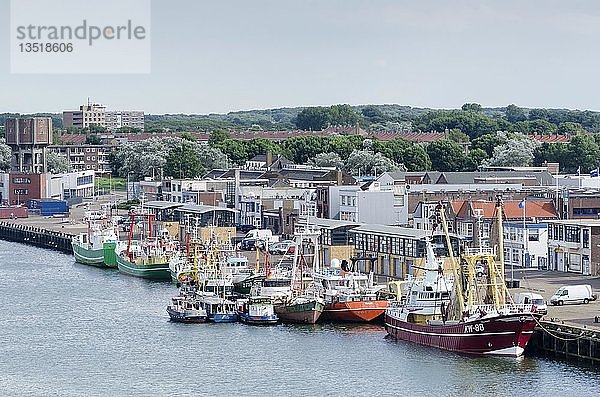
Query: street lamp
point(129, 173)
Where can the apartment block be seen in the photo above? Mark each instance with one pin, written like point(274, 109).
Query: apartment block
point(116, 119)
point(86, 157)
point(86, 115)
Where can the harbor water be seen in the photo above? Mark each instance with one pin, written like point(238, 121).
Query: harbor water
point(70, 330)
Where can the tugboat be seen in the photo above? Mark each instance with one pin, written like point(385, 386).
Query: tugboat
point(474, 316)
point(256, 310)
point(96, 247)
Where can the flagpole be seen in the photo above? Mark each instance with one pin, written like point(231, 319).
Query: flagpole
point(525, 234)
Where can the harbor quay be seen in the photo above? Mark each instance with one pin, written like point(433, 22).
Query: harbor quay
point(571, 331)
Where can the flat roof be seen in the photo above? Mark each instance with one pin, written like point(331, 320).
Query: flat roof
point(202, 209)
point(161, 205)
point(580, 222)
point(330, 223)
point(398, 231)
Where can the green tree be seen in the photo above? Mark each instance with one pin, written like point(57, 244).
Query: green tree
point(569, 128)
point(343, 115)
point(514, 114)
point(312, 118)
point(518, 151)
point(93, 139)
point(457, 136)
point(488, 142)
point(584, 152)
point(446, 155)
point(474, 159)
point(57, 164)
point(367, 162)
point(218, 136)
point(182, 161)
point(471, 107)
point(5, 156)
point(330, 159)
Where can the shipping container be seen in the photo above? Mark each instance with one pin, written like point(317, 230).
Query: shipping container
point(48, 207)
point(13, 212)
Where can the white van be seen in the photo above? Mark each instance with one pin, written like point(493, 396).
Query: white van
point(258, 237)
point(573, 294)
point(529, 298)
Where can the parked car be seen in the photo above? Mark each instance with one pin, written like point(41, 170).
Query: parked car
point(573, 294)
point(281, 248)
point(530, 298)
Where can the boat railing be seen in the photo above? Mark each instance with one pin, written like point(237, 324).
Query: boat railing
point(509, 308)
point(479, 251)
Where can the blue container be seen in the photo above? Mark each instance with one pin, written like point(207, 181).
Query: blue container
point(48, 207)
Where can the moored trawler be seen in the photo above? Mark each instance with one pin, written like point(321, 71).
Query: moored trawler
point(97, 246)
point(349, 296)
point(148, 258)
point(477, 317)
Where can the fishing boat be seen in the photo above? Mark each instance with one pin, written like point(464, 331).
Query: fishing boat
point(149, 256)
point(256, 310)
point(186, 309)
point(96, 246)
point(350, 296)
point(479, 318)
point(303, 304)
point(218, 308)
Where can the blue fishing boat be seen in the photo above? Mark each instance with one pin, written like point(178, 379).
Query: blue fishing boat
point(219, 309)
point(256, 310)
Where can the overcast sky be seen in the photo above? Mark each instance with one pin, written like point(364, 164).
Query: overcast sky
point(221, 56)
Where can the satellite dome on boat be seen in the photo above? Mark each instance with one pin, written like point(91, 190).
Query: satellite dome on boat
point(335, 262)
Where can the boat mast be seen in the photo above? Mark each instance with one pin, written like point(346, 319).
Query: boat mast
point(455, 273)
point(500, 214)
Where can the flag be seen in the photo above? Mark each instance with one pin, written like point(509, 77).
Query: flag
point(522, 204)
point(594, 173)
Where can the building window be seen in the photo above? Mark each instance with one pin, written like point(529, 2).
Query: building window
point(572, 234)
point(586, 238)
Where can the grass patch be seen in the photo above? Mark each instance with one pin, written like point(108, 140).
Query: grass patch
point(111, 183)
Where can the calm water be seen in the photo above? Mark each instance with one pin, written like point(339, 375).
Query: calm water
point(70, 329)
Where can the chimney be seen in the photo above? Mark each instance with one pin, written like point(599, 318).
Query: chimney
point(338, 177)
point(269, 159)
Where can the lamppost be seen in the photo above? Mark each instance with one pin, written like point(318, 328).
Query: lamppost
point(129, 173)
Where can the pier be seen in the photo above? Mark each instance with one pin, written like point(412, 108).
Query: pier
point(39, 237)
point(554, 338)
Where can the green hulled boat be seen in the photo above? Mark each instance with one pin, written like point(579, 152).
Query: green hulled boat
point(149, 257)
point(96, 247)
point(152, 268)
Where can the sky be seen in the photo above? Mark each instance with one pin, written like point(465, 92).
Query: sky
point(229, 55)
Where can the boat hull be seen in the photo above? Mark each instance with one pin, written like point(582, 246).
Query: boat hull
point(154, 271)
point(257, 320)
point(182, 317)
point(505, 335)
point(223, 318)
point(357, 312)
point(302, 313)
point(93, 257)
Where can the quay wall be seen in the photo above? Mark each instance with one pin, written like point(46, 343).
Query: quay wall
point(44, 238)
point(566, 341)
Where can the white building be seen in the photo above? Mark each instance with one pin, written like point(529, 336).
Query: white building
point(574, 246)
point(529, 249)
point(77, 184)
point(116, 119)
